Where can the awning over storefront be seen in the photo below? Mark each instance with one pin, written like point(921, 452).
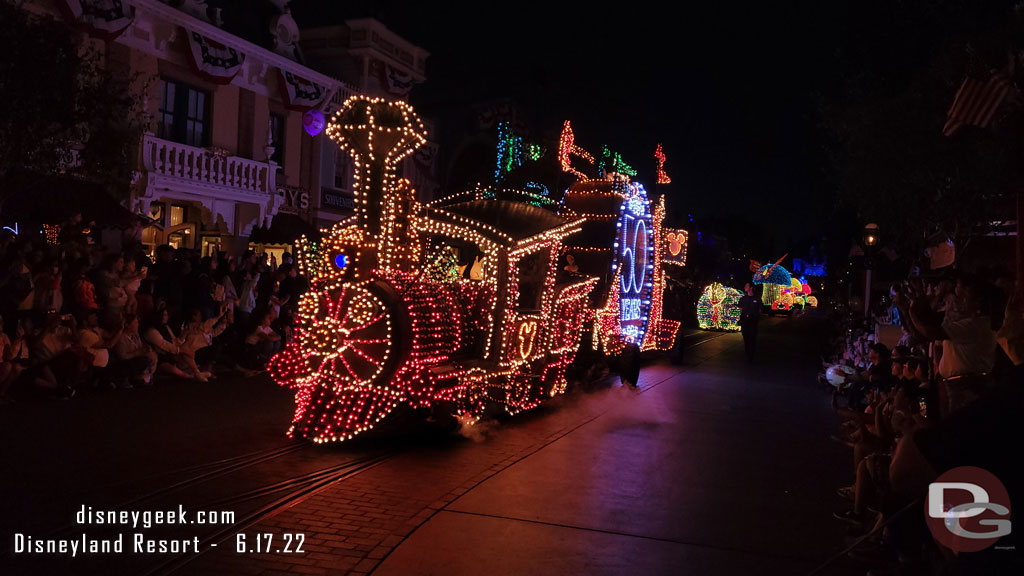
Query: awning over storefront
point(285, 229)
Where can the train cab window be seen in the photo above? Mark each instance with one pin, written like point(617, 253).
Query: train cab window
point(470, 261)
point(452, 258)
point(532, 269)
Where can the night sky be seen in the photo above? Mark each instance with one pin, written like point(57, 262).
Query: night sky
point(731, 90)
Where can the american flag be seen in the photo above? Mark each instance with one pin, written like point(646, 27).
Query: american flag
point(978, 101)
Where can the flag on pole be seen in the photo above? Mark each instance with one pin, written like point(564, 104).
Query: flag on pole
point(978, 101)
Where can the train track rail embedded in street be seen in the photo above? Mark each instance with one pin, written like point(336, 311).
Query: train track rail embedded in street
point(298, 489)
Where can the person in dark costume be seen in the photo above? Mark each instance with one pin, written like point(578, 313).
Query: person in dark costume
point(750, 314)
point(629, 366)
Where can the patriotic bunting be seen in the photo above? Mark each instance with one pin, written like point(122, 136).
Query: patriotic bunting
point(213, 60)
point(102, 18)
point(299, 93)
point(395, 81)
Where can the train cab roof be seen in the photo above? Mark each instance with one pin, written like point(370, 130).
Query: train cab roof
point(505, 222)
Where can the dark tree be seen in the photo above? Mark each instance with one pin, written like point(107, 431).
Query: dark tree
point(904, 62)
point(67, 107)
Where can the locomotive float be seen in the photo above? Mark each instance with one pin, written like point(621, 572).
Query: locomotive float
point(476, 301)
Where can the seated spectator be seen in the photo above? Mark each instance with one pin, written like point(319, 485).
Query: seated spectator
point(167, 345)
point(17, 292)
point(10, 352)
point(877, 373)
point(135, 360)
point(53, 363)
point(144, 303)
point(109, 287)
point(131, 280)
point(898, 364)
point(904, 447)
point(198, 335)
point(83, 290)
point(48, 293)
point(262, 342)
point(985, 434)
point(97, 345)
point(896, 417)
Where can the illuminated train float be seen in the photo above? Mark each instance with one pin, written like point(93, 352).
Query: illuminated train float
point(474, 302)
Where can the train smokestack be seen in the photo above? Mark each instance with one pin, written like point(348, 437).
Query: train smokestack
point(378, 134)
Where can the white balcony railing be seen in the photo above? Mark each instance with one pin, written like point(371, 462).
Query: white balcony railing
point(342, 93)
point(204, 167)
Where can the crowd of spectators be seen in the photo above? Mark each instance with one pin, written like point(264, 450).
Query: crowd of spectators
point(943, 395)
point(75, 315)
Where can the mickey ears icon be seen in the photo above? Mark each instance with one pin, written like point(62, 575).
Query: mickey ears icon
point(675, 243)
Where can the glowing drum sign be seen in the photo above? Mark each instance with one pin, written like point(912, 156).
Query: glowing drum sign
point(634, 261)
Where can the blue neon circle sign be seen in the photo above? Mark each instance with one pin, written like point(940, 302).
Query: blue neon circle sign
point(634, 262)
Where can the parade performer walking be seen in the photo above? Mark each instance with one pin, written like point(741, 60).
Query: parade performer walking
point(750, 314)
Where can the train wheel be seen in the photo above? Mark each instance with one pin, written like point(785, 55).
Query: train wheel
point(351, 342)
point(353, 335)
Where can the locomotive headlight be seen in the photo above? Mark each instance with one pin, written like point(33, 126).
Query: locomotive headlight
point(341, 261)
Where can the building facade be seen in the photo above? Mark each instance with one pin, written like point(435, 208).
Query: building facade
point(225, 86)
point(375, 61)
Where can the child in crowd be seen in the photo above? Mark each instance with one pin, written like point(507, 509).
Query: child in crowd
point(167, 344)
point(136, 360)
point(198, 335)
point(262, 342)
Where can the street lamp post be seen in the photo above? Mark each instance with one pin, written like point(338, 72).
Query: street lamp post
point(870, 241)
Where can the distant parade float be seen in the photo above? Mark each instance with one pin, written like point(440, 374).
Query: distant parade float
point(779, 289)
point(797, 294)
point(473, 302)
point(719, 308)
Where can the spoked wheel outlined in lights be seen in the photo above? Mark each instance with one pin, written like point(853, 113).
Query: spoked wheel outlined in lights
point(352, 337)
point(344, 357)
